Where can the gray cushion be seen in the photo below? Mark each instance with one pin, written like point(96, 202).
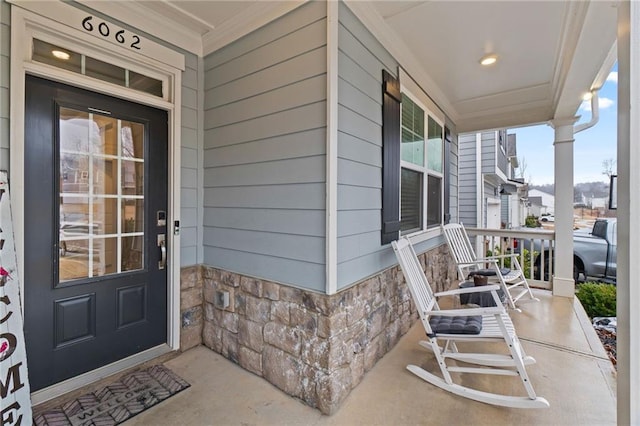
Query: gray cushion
point(488, 272)
point(456, 325)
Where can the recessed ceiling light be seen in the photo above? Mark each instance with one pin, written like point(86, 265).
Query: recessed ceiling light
point(488, 59)
point(61, 55)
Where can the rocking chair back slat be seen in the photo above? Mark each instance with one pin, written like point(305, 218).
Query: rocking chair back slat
point(416, 280)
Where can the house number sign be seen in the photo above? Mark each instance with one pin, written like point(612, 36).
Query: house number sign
point(110, 31)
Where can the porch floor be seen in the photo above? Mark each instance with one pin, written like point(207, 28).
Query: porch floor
point(572, 372)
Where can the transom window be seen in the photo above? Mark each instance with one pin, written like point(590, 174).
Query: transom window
point(69, 60)
point(421, 168)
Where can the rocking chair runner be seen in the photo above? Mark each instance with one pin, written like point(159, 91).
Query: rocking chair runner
point(446, 327)
point(512, 280)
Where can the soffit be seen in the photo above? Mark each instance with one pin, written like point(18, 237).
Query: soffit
point(550, 52)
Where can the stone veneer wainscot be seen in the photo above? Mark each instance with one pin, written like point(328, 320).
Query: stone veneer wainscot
point(312, 346)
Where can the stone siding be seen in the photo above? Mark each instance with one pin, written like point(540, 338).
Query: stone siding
point(191, 307)
point(312, 346)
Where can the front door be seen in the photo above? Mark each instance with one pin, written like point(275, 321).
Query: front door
point(95, 227)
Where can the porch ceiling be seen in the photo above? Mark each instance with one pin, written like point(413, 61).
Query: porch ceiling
point(550, 52)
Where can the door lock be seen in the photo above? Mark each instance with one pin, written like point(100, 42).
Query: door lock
point(162, 243)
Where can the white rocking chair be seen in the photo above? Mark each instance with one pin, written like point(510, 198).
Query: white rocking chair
point(512, 280)
point(446, 327)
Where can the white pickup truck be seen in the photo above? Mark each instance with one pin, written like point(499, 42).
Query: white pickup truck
point(594, 252)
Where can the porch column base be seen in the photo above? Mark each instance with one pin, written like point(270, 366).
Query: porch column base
point(564, 287)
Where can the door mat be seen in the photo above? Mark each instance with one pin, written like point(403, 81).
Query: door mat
point(116, 402)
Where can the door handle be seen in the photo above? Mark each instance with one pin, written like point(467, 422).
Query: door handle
point(162, 243)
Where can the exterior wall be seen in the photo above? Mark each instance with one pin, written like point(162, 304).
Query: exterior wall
point(454, 186)
point(314, 347)
point(467, 190)
point(5, 51)
point(505, 209)
point(547, 200)
point(264, 151)
point(489, 146)
point(191, 159)
point(361, 59)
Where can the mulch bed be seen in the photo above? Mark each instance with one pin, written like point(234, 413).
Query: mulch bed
point(608, 339)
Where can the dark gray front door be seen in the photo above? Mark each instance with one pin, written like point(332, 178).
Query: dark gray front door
point(95, 200)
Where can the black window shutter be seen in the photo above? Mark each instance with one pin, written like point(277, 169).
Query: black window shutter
point(447, 174)
point(391, 99)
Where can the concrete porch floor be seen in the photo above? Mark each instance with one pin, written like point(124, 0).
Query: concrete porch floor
point(572, 372)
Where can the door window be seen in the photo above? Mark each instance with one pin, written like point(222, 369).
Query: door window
point(101, 195)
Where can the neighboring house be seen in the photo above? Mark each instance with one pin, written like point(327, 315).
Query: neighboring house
point(489, 192)
point(541, 202)
point(254, 161)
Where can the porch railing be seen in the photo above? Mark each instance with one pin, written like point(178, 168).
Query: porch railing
point(536, 250)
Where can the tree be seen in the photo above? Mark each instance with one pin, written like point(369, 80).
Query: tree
point(609, 167)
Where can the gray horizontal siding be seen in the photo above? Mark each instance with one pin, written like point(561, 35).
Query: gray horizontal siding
point(294, 196)
point(191, 172)
point(299, 18)
point(488, 152)
point(467, 178)
point(294, 145)
point(361, 60)
point(295, 222)
point(264, 152)
point(453, 176)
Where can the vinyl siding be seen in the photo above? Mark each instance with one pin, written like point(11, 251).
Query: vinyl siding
point(467, 180)
point(489, 145)
point(264, 151)
point(454, 176)
point(191, 159)
point(361, 60)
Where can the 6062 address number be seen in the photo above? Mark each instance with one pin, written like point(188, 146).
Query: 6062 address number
point(104, 30)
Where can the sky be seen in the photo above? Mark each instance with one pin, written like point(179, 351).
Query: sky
point(591, 146)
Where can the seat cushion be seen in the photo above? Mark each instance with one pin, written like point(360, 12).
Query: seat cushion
point(488, 272)
point(456, 325)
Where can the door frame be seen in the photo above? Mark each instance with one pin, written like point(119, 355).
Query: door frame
point(58, 23)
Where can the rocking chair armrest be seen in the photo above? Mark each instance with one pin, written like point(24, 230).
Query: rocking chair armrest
point(467, 312)
point(477, 289)
point(499, 256)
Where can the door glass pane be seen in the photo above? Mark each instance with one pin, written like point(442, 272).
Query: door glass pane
point(105, 219)
point(101, 195)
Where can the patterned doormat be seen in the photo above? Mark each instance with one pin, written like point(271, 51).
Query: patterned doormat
point(116, 402)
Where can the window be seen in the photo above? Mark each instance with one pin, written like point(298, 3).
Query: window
point(59, 57)
point(422, 168)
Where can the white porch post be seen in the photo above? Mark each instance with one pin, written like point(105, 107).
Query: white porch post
point(563, 283)
point(628, 271)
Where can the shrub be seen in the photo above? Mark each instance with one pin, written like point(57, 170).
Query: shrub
point(531, 222)
point(598, 300)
